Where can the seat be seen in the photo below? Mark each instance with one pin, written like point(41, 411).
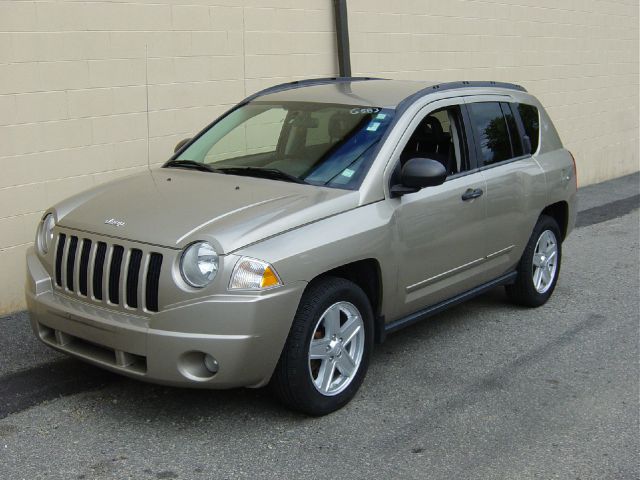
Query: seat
point(430, 141)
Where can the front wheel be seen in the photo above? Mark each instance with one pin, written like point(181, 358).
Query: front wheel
point(326, 356)
point(539, 266)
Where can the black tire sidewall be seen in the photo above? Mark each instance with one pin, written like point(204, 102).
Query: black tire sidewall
point(530, 296)
point(316, 300)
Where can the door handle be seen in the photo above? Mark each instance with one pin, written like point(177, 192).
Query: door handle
point(471, 193)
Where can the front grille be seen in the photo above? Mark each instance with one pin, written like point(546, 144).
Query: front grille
point(81, 263)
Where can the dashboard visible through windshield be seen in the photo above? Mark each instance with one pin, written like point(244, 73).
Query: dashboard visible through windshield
point(315, 143)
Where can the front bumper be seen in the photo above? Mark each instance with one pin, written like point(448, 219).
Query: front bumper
point(245, 333)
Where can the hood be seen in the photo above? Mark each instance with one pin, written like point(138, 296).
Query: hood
point(174, 207)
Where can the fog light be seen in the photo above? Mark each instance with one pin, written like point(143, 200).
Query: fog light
point(211, 363)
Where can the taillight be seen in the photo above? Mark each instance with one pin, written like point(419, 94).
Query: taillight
point(575, 169)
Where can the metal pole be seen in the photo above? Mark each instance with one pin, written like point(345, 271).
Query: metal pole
point(342, 36)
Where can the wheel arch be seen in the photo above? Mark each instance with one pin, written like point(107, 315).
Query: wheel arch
point(559, 211)
point(367, 274)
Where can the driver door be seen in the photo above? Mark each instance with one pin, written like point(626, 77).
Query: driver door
point(441, 229)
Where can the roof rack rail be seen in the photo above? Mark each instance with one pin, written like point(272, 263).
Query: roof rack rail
point(404, 104)
point(476, 83)
point(306, 82)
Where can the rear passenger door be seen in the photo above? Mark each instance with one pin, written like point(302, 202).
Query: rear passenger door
point(513, 180)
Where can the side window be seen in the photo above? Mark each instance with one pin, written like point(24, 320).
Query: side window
point(514, 134)
point(490, 132)
point(440, 136)
point(531, 123)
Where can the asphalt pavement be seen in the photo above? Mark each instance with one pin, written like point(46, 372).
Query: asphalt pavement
point(483, 391)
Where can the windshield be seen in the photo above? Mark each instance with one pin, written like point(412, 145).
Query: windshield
point(315, 143)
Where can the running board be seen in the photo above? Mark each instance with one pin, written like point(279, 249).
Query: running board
point(439, 307)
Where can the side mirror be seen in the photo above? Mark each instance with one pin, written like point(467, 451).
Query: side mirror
point(419, 173)
point(181, 144)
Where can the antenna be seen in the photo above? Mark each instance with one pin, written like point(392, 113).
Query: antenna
point(146, 84)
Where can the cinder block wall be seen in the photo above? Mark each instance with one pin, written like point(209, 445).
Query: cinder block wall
point(580, 58)
point(73, 97)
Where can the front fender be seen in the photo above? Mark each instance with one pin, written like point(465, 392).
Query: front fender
point(304, 253)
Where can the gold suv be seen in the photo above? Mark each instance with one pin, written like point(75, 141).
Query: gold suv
point(302, 226)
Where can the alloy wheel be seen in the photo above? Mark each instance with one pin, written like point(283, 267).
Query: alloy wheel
point(336, 348)
point(545, 261)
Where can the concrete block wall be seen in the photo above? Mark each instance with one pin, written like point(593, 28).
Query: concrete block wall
point(580, 58)
point(73, 72)
point(73, 97)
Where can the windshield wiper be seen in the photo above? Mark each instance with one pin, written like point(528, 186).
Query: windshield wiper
point(192, 164)
point(270, 173)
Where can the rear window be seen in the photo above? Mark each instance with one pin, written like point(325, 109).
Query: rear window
point(531, 123)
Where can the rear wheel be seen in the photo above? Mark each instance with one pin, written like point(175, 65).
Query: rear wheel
point(539, 266)
point(326, 356)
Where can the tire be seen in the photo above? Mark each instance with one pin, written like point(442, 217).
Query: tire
point(537, 275)
point(328, 314)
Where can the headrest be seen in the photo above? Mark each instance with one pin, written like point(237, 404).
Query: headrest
point(432, 126)
point(339, 125)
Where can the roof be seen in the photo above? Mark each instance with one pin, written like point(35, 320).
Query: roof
point(364, 91)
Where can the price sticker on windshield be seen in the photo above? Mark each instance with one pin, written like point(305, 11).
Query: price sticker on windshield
point(364, 110)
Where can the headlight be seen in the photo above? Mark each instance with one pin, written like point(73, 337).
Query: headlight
point(44, 235)
point(199, 264)
point(252, 274)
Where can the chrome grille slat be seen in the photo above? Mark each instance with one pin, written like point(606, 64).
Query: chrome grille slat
point(65, 255)
point(122, 283)
point(90, 270)
point(76, 266)
point(142, 291)
point(114, 275)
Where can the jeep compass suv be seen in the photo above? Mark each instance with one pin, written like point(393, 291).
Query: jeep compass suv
point(302, 226)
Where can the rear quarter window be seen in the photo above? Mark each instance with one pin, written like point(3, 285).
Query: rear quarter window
point(514, 134)
point(531, 122)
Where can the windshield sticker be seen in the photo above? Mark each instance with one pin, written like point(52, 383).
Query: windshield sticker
point(364, 111)
point(373, 126)
point(381, 116)
point(347, 172)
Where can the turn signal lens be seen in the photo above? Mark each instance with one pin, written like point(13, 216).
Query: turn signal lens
point(269, 278)
point(575, 170)
point(252, 274)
